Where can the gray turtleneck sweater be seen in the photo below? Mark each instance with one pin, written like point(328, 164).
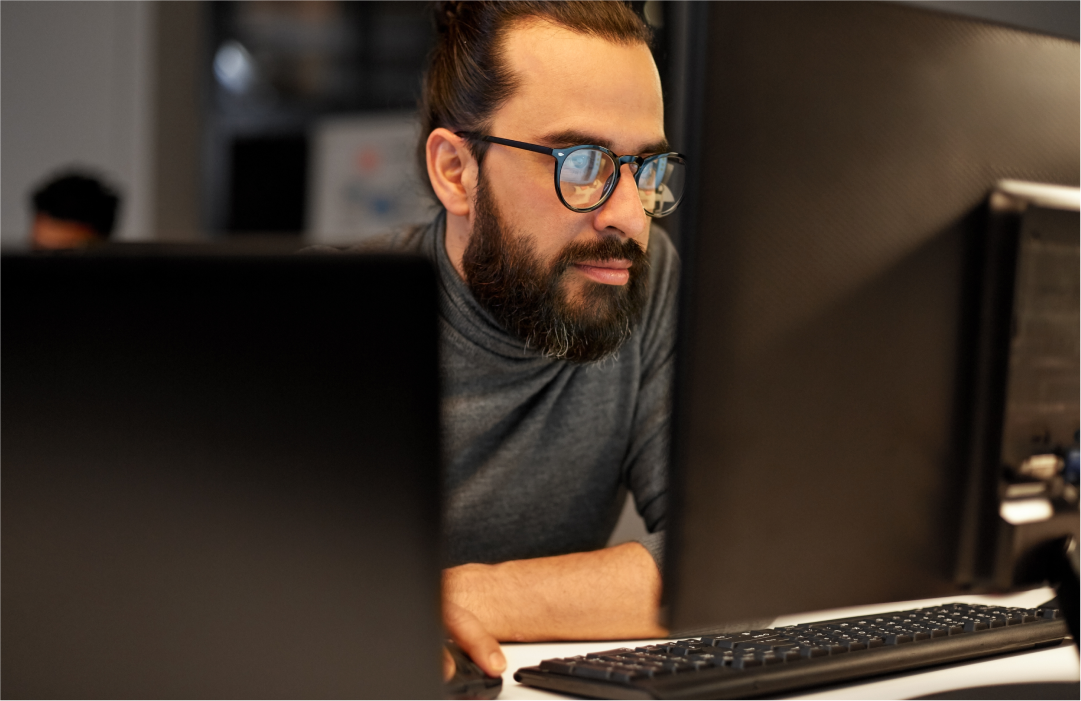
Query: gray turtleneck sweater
point(540, 452)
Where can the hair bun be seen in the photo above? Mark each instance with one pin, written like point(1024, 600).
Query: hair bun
point(447, 14)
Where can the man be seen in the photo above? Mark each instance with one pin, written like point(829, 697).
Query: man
point(72, 211)
point(557, 317)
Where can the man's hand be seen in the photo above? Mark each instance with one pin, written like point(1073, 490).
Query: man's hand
point(607, 594)
point(467, 630)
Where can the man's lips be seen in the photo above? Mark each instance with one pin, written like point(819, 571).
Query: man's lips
point(613, 271)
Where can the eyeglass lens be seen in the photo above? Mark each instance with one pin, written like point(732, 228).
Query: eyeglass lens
point(586, 178)
point(660, 185)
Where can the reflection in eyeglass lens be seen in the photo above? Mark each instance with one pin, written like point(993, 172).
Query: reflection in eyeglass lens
point(647, 183)
point(584, 177)
point(660, 184)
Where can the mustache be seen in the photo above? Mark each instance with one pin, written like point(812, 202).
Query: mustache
point(601, 249)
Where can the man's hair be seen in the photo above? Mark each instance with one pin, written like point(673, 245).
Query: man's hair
point(468, 79)
point(80, 198)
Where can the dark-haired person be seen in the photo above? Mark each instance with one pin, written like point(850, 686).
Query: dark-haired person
point(72, 211)
point(557, 316)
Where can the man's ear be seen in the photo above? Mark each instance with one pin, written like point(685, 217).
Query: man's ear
point(452, 171)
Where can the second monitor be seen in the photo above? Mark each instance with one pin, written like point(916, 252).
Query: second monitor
point(831, 294)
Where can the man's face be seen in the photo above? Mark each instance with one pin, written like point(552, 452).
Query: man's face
point(589, 271)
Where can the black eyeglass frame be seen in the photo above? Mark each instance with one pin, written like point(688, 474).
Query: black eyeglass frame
point(562, 154)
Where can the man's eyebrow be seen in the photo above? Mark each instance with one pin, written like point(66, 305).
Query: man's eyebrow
point(575, 138)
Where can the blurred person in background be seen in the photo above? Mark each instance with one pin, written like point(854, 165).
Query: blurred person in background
point(73, 210)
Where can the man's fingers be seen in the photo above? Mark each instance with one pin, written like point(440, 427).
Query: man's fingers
point(448, 665)
point(467, 630)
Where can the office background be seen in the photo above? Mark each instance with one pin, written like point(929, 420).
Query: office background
point(219, 120)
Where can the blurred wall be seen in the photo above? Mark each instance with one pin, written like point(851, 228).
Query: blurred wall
point(178, 57)
point(1052, 16)
point(93, 84)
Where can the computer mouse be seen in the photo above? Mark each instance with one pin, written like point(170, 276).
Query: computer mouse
point(469, 680)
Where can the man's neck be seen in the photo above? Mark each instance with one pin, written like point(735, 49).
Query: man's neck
point(456, 239)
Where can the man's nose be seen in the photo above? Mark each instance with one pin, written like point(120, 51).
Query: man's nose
point(623, 210)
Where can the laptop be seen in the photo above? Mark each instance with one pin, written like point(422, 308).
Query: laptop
point(220, 477)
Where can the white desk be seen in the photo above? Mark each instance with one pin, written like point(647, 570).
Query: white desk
point(1052, 664)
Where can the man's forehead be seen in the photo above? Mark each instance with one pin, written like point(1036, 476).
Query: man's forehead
point(571, 84)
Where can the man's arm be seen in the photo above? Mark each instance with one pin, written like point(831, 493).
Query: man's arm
point(606, 594)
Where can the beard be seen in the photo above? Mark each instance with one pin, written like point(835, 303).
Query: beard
point(531, 298)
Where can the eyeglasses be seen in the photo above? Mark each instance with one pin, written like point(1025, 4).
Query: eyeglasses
point(586, 176)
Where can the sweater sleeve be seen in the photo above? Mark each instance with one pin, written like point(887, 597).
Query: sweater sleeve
point(646, 465)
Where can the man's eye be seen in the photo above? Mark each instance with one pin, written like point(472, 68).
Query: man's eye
point(581, 168)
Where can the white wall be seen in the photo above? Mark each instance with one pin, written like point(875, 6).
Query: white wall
point(75, 88)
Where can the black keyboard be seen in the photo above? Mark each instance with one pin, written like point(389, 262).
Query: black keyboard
point(774, 660)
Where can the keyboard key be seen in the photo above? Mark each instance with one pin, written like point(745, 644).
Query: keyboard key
point(684, 650)
point(628, 673)
point(678, 665)
point(768, 657)
point(561, 666)
point(775, 641)
point(674, 665)
point(810, 651)
point(729, 644)
point(610, 653)
point(761, 645)
point(591, 670)
point(852, 644)
point(714, 639)
point(745, 662)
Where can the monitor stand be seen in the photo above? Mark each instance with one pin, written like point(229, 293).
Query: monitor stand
point(1022, 512)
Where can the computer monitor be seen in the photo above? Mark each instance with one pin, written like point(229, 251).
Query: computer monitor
point(220, 477)
point(834, 245)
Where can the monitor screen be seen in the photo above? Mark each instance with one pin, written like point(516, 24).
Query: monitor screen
point(833, 248)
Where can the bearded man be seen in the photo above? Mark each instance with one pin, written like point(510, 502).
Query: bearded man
point(543, 140)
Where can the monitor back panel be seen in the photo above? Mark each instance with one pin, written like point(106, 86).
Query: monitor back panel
point(844, 153)
point(220, 477)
